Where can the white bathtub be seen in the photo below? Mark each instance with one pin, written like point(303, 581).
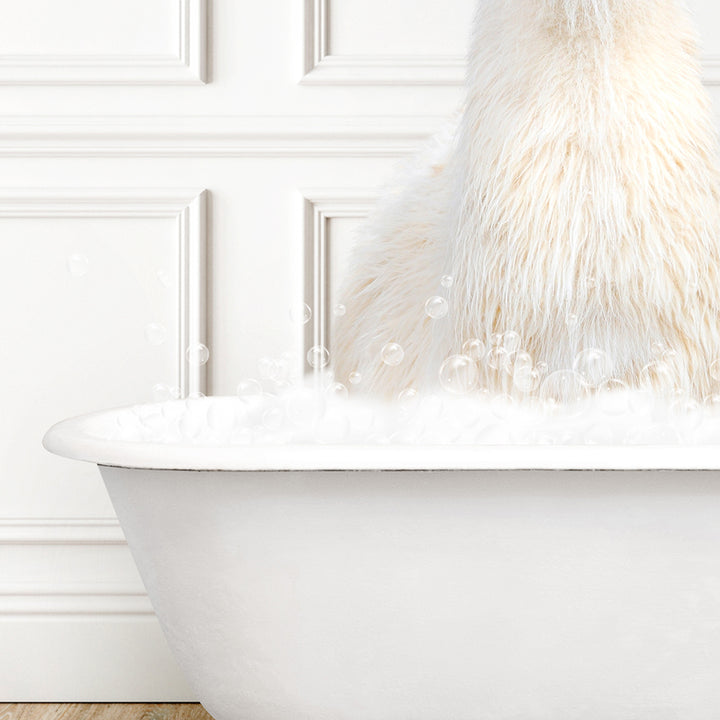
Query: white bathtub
point(446, 583)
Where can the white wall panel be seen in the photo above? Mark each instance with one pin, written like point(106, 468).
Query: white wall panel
point(102, 41)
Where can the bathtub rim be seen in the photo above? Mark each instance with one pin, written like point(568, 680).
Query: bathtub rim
point(70, 439)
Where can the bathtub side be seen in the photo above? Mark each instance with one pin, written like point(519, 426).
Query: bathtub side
point(427, 595)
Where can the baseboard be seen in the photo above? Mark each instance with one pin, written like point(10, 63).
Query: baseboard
point(88, 659)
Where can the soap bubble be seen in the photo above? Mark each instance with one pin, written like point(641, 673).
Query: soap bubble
point(318, 357)
point(459, 374)
point(155, 333)
point(686, 414)
point(161, 392)
point(511, 341)
point(571, 321)
point(447, 281)
point(354, 378)
point(337, 391)
point(526, 379)
point(249, 388)
point(392, 354)
point(658, 348)
point(542, 368)
point(163, 277)
point(300, 314)
point(498, 358)
point(594, 365)
point(474, 348)
point(658, 376)
point(197, 354)
point(495, 339)
point(611, 397)
point(339, 310)
point(715, 370)
point(563, 387)
point(436, 307)
point(78, 264)
point(275, 369)
point(409, 399)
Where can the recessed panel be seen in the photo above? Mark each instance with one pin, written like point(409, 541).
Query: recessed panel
point(398, 27)
point(90, 27)
point(90, 319)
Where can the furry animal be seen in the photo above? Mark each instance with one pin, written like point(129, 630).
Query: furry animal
point(576, 203)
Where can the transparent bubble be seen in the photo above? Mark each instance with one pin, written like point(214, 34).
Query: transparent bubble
point(511, 341)
point(392, 354)
point(526, 379)
point(197, 354)
point(474, 348)
point(658, 348)
point(275, 369)
point(658, 376)
point(354, 378)
point(436, 307)
point(686, 414)
point(522, 361)
point(571, 321)
point(563, 387)
point(249, 388)
point(300, 314)
point(715, 370)
point(498, 358)
point(712, 402)
point(339, 310)
point(337, 391)
point(163, 277)
point(78, 264)
point(318, 357)
point(447, 281)
point(161, 392)
point(594, 365)
point(611, 397)
point(496, 339)
point(409, 399)
point(542, 368)
point(155, 333)
point(459, 374)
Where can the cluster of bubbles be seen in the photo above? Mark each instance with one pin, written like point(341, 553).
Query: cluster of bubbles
point(491, 392)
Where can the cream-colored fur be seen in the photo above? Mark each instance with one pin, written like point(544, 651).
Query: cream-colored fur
point(577, 204)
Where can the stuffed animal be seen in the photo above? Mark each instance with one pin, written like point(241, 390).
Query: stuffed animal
point(574, 208)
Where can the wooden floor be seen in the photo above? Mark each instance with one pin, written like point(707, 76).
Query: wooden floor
point(103, 711)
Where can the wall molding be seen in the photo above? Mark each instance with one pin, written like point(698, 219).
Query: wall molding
point(61, 531)
point(323, 68)
point(207, 136)
point(186, 67)
point(321, 206)
point(52, 599)
point(187, 206)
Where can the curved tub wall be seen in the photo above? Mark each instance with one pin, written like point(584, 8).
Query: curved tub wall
point(464, 595)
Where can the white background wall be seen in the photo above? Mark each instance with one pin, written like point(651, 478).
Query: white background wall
point(165, 146)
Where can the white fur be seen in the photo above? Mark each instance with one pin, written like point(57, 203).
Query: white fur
point(582, 182)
